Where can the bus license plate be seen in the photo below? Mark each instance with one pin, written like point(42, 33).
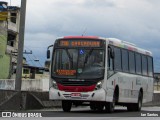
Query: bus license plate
point(76, 95)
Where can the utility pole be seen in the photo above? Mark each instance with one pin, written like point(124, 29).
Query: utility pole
point(20, 46)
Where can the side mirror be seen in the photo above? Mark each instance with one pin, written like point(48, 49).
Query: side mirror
point(48, 54)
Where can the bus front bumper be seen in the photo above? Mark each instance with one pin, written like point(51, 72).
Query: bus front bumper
point(97, 95)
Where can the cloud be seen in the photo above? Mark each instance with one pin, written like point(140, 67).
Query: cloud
point(135, 21)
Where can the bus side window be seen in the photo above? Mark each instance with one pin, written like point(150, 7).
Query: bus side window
point(144, 65)
point(150, 66)
point(138, 64)
point(117, 59)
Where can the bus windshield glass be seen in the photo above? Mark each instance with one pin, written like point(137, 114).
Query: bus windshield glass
point(79, 63)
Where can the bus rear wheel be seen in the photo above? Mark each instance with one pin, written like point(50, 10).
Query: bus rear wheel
point(66, 105)
point(136, 106)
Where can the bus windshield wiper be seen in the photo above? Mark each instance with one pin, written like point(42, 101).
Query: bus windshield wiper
point(70, 58)
point(87, 56)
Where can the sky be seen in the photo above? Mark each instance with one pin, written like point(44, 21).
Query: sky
point(136, 21)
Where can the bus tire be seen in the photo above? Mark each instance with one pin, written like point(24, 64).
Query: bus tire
point(66, 105)
point(109, 107)
point(100, 107)
point(130, 107)
point(93, 106)
point(138, 105)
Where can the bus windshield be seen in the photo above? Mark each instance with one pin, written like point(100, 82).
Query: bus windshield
point(80, 63)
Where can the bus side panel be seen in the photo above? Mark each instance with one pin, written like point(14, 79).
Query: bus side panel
point(129, 87)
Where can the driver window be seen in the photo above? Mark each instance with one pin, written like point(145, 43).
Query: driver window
point(110, 62)
point(110, 59)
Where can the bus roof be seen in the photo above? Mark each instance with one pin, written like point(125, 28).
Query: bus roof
point(115, 42)
point(128, 45)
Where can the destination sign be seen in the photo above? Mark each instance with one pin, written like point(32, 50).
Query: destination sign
point(79, 43)
point(66, 72)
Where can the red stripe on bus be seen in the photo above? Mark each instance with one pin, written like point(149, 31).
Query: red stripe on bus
point(76, 88)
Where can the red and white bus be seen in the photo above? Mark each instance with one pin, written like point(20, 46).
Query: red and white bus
point(100, 72)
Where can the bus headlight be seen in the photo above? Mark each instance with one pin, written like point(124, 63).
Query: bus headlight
point(98, 85)
point(54, 84)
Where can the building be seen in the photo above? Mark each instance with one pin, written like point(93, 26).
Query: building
point(9, 35)
point(13, 35)
point(32, 72)
point(157, 76)
point(3, 11)
point(5, 58)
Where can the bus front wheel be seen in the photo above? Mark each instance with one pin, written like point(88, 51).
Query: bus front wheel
point(66, 105)
point(109, 107)
point(93, 106)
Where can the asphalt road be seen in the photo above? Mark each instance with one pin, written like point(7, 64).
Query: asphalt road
point(86, 114)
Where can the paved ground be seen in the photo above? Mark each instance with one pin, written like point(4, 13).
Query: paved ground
point(86, 114)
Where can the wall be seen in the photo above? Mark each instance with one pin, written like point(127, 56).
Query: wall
point(155, 101)
point(4, 67)
point(3, 37)
point(27, 85)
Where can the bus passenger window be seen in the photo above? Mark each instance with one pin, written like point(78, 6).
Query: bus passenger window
point(132, 66)
point(125, 60)
point(117, 59)
point(138, 64)
point(150, 66)
point(144, 65)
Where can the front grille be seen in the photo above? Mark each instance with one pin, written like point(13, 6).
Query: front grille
point(83, 96)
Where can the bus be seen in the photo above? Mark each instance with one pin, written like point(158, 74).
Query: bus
point(100, 72)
